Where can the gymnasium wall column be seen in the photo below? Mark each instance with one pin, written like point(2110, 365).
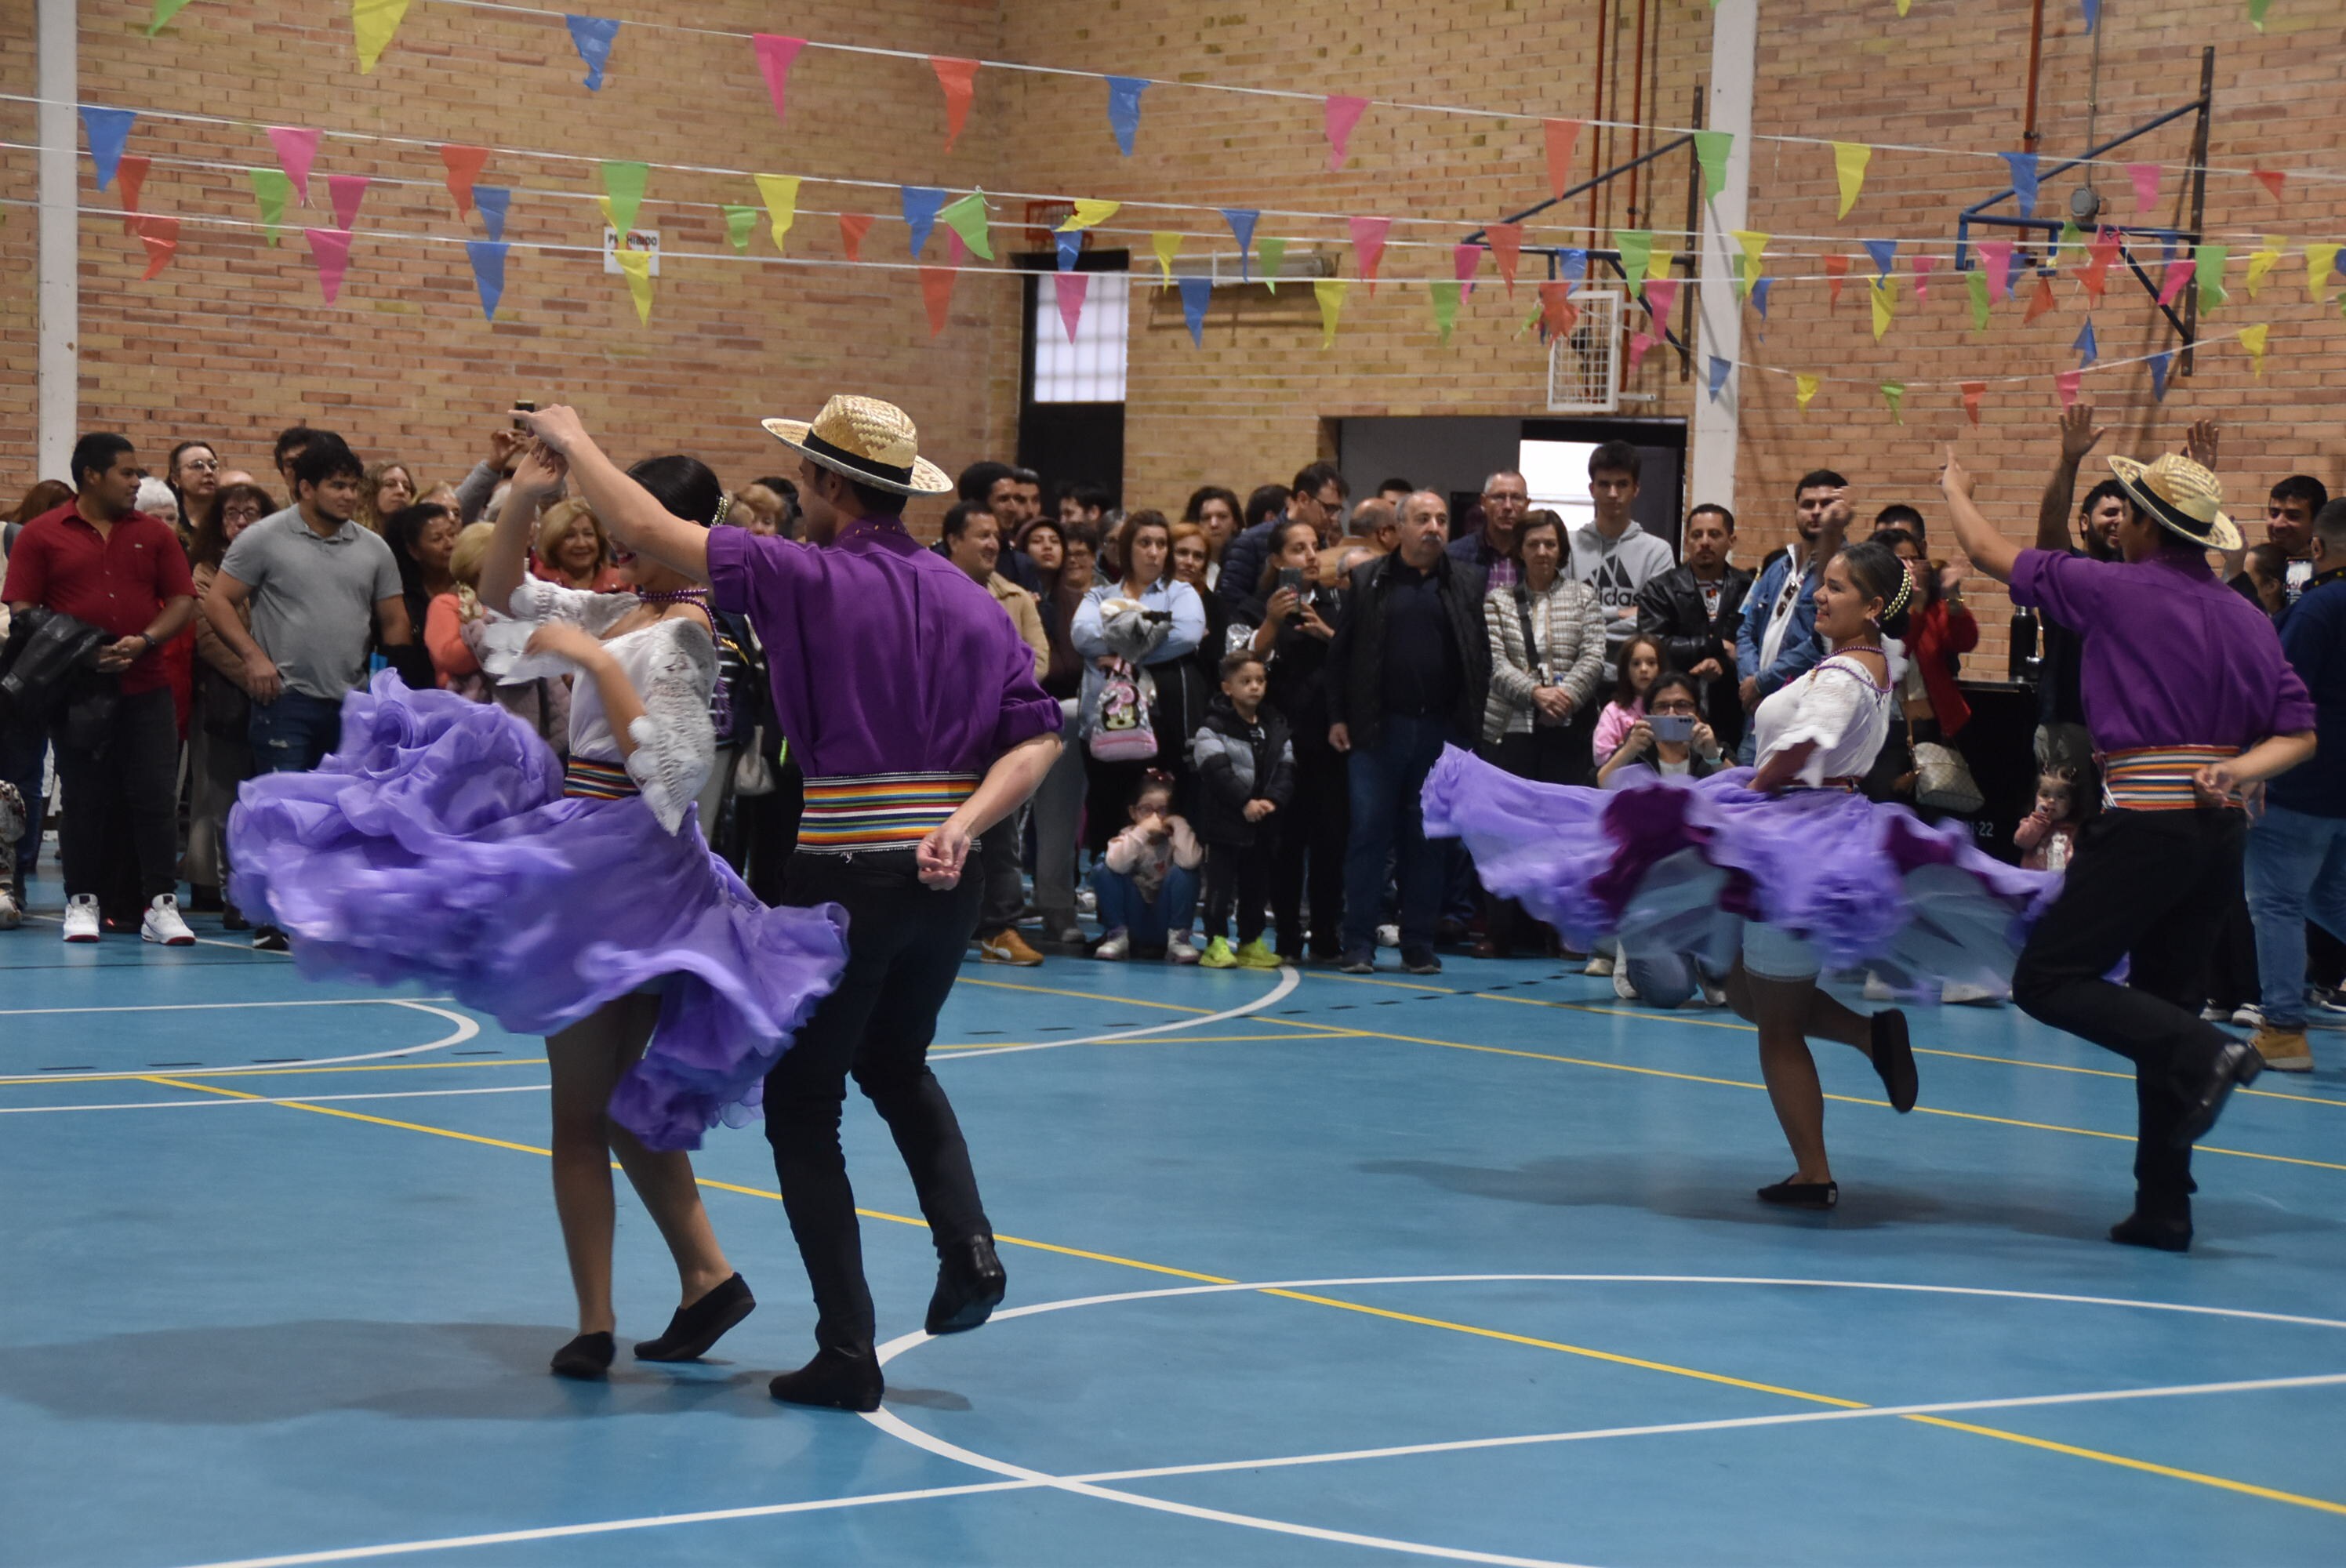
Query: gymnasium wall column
point(58, 297)
point(1734, 48)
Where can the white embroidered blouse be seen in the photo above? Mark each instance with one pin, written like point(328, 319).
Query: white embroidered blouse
point(1836, 705)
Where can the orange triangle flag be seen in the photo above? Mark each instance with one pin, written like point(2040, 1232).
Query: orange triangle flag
point(129, 176)
point(2040, 301)
point(1557, 313)
point(1506, 241)
point(161, 237)
point(1836, 269)
point(2272, 180)
point(464, 165)
point(955, 76)
point(2097, 275)
point(936, 289)
point(852, 227)
point(1561, 137)
point(1972, 393)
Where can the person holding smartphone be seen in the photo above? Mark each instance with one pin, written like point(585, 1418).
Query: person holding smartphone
point(1289, 622)
point(1670, 741)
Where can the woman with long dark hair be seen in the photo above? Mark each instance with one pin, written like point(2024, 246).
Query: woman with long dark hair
point(1215, 511)
point(193, 473)
point(220, 747)
point(423, 540)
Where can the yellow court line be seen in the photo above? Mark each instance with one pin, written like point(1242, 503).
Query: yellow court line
point(1082, 995)
point(2143, 1466)
point(1325, 1032)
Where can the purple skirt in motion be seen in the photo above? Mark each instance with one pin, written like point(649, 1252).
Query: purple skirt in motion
point(435, 846)
point(1669, 866)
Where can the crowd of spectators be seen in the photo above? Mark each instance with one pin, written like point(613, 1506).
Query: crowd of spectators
point(1254, 693)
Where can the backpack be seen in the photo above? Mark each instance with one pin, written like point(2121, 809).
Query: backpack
point(1123, 729)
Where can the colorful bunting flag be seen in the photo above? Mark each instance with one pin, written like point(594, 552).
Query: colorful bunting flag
point(1760, 295)
point(2264, 260)
point(2071, 238)
point(374, 23)
point(1720, 368)
point(1506, 241)
point(1124, 109)
point(463, 165)
point(1167, 244)
point(1636, 248)
point(129, 179)
point(623, 186)
point(1885, 305)
point(1369, 247)
point(2087, 349)
point(164, 11)
point(920, 205)
point(1330, 293)
point(2065, 385)
point(1977, 281)
point(1342, 112)
point(1556, 310)
point(1241, 220)
point(1072, 288)
point(775, 53)
point(635, 265)
point(1885, 253)
point(488, 256)
point(2145, 185)
point(957, 248)
point(1711, 148)
point(1196, 293)
point(272, 192)
point(1754, 245)
point(108, 129)
point(2272, 180)
point(1836, 269)
point(1464, 262)
point(2158, 367)
point(966, 219)
point(958, 79)
point(2093, 9)
point(1850, 158)
point(2256, 9)
point(1561, 135)
point(593, 36)
point(1996, 260)
point(2040, 301)
point(2321, 268)
point(1441, 294)
point(1268, 256)
point(741, 222)
point(1640, 345)
point(2100, 254)
point(1573, 261)
point(1923, 265)
point(1088, 212)
point(853, 228)
point(1070, 246)
point(492, 200)
point(2179, 273)
point(1661, 296)
point(1972, 393)
point(297, 148)
point(160, 236)
point(1894, 394)
point(2022, 166)
point(344, 192)
point(330, 250)
point(2254, 339)
point(1804, 387)
point(779, 194)
point(2208, 267)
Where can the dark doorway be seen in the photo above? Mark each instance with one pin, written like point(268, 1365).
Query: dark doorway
point(1075, 439)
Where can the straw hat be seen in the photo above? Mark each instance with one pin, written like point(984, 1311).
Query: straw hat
point(2181, 498)
point(870, 442)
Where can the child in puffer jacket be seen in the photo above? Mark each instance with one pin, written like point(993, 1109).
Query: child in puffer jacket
point(1245, 764)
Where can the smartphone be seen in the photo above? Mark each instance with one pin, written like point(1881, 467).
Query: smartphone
point(1675, 728)
point(522, 405)
point(1292, 578)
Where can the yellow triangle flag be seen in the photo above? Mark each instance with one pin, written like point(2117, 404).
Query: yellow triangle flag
point(638, 266)
point(1755, 245)
point(2263, 261)
point(373, 22)
point(1904, 6)
point(781, 194)
point(2253, 339)
point(1165, 242)
point(2320, 263)
point(1331, 292)
point(1805, 387)
point(1850, 158)
point(1885, 305)
point(1088, 212)
point(608, 215)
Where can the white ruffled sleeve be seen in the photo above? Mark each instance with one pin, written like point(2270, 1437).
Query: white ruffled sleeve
point(538, 600)
point(504, 639)
point(675, 745)
point(1829, 706)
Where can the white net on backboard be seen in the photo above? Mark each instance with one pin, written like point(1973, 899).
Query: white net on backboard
point(1583, 365)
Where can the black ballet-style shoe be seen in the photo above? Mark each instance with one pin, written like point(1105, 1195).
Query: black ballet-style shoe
point(2233, 1067)
point(834, 1380)
point(587, 1357)
point(970, 1286)
point(1893, 1059)
point(1802, 1194)
point(695, 1328)
point(2136, 1230)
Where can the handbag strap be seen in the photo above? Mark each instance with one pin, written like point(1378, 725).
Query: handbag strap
point(1524, 613)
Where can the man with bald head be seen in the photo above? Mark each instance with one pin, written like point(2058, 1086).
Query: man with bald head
point(1506, 499)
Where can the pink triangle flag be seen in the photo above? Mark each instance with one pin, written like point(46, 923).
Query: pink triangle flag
point(2179, 273)
point(1344, 112)
point(1072, 287)
point(1996, 260)
point(1640, 345)
point(346, 191)
point(297, 149)
point(1464, 260)
point(2145, 185)
point(775, 53)
point(331, 248)
point(958, 79)
point(1662, 294)
point(1923, 265)
point(1368, 246)
point(2067, 383)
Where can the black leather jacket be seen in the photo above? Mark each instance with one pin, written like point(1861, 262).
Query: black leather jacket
point(1354, 686)
point(1670, 608)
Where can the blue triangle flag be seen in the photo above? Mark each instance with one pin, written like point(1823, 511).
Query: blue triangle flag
point(2086, 350)
point(1719, 369)
point(921, 203)
point(108, 129)
point(1574, 261)
point(1070, 247)
point(488, 272)
point(1124, 109)
point(2024, 179)
point(2013, 268)
point(1885, 255)
point(2158, 363)
point(593, 35)
point(1760, 295)
point(1196, 292)
point(492, 200)
point(1241, 221)
point(2093, 13)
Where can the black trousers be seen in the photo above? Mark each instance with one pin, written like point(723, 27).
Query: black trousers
point(2152, 887)
point(1550, 754)
point(1240, 876)
point(904, 946)
point(123, 788)
point(1308, 858)
point(995, 863)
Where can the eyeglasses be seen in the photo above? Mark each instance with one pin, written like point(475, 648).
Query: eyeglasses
point(201, 464)
point(241, 515)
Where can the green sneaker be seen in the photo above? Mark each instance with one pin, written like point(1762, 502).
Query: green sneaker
point(1257, 954)
point(1219, 955)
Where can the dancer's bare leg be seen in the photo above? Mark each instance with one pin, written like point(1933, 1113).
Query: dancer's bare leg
point(664, 1180)
point(1782, 1009)
point(580, 1060)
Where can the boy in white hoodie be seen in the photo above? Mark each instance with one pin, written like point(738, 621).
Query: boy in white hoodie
point(1612, 553)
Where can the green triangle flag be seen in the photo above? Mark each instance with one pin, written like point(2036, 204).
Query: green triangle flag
point(1977, 281)
point(1711, 149)
point(2257, 14)
point(1268, 255)
point(1894, 394)
point(2209, 274)
point(1636, 247)
point(624, 183)
point(1539, 310)
point(272, 189)
point(741, 222)
point(2071, 236)
point(966, 218)
point(164, 11)
point(1442, 293)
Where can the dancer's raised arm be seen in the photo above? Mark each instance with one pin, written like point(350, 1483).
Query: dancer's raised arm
point(629, 512)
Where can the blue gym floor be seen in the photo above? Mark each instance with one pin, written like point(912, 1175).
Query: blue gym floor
point(1303, 1270)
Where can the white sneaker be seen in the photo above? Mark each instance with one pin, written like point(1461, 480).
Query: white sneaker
point(1087, 901)
point(1970, 996)
point(1179, 948)
point(1116, 945)
point(11, 917)
point(1713, 994)
point(1621, 986)
point(1601, 965)
point(1388, 936)
point(2250, 1017)
point(2212, 1013)
point(163, 923)
point(1878, 989)
point(81, 918)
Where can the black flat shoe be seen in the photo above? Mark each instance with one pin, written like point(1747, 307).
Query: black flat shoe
point(2234, 1066)
point(970, 1286)
point(834, 1380)
point(587, 1358)
point(696, 1327)
point(1893, 1059)
point(1802, 1194)
point(2166, 1235)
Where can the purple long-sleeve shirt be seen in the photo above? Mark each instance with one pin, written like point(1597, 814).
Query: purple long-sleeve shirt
point(885, 658)
point(2170, 656)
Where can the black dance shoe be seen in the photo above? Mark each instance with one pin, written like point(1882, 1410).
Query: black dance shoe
point(696, 1327)
point(588, 1357)
point(2234, 1066)
point(1893, 1058)
point(970, 1286)
point(1802, 1194)
point(834, 1380)
point(2166, 1235)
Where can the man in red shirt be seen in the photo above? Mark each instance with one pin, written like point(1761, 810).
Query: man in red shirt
point(106, 564)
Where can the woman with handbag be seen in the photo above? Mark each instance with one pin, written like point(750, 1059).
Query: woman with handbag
point(1920, 764)
point(220, 751)
point(1125, 630)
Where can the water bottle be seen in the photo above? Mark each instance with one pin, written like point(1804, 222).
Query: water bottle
point(2024, 660)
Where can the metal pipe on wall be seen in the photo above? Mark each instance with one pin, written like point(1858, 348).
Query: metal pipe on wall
point(1636, 107)
point(1597, 143)
point(58, 295)
point(2035, 61)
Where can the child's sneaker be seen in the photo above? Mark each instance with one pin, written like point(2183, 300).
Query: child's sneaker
point(1219, 955)
point(1115, 945)
point(1179, 948)
point(1257, 954)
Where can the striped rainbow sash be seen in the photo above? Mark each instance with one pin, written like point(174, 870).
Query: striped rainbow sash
point(596, 780)
point(2156, 778)
point(849, 814)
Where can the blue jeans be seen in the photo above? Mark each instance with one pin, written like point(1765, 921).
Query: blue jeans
point(2297, 870)
point(1389, 823)
point(294, 733)
point(1121, 907)
point(1664, 981)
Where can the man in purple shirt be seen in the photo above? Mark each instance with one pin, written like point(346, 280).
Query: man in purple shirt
point(2191, 704)
point(912, 703)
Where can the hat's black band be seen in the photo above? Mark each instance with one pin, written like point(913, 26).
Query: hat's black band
point(2165, 512)
point(818, 447)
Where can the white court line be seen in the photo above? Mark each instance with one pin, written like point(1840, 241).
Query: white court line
point(466, 1028)
point(287, 1100)
point(213, 1006)
point(1289, 979)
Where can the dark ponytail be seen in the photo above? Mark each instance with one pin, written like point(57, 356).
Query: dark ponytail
point(1877, 572)
point(683, 485)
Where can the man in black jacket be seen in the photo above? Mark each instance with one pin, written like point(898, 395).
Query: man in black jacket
point(1407, 674)
point(1695, 609)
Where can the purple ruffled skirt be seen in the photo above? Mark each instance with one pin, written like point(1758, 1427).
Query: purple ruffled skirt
point(435, 846)
point(1673, 866)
